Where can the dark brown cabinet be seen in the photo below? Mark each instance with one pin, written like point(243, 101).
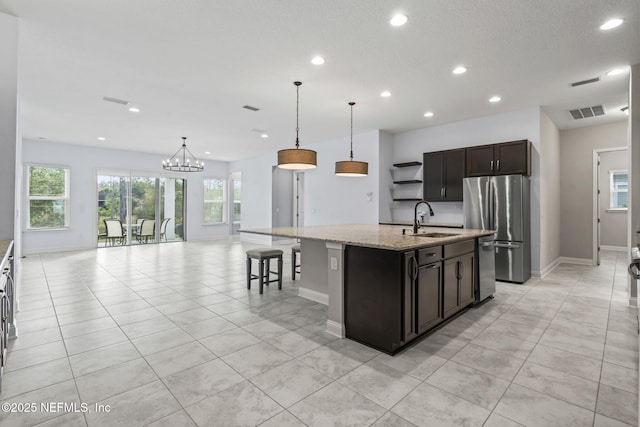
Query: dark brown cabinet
point(458, 277)
point(428, 290)
point(443, 172)
point(507, 158)
point(392, 297)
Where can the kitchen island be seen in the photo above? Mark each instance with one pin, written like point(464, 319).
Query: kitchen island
point(385, 286)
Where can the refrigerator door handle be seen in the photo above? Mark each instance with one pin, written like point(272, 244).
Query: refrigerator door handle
point(507, 245)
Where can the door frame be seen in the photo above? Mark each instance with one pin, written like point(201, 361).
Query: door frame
point(595, 199)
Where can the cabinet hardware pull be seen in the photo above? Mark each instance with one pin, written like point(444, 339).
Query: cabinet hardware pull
point(432, 266)
point(498, 165)
point(431, 254)
point(444, 191)
point(415, 268)
point(491, 164)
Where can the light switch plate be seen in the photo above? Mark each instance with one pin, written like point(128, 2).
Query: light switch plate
point(334, 263)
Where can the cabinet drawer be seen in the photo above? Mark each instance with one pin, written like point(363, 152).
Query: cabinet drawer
point(429, 255)
point(455, 249)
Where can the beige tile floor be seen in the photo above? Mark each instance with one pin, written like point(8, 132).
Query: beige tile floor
point(168, 335)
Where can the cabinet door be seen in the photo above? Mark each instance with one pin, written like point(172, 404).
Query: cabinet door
point(480, 161)
point(454, 170)
point(513, 158)
point(409, 278)
point(433, 176)
point(450, 288)
point(467, 279)
point(428, 289)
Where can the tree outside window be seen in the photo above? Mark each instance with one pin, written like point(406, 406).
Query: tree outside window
point(214, 196)
point(48, 196)
point(619, 189)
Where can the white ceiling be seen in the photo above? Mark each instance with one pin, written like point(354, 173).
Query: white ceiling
point(191, 65)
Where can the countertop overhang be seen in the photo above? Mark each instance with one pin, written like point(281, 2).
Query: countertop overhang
point(373, 236)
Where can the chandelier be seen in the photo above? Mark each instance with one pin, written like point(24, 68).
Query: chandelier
point(180, 162)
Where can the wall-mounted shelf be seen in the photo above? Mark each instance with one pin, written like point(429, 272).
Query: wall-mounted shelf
point(408, 181)
point(407, 164)
point(406, 200)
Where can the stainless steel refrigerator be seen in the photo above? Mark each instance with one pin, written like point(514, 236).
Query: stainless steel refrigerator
point(502, 203)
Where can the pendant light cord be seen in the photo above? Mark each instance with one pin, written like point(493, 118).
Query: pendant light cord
point(351, 149)
point(297, 114)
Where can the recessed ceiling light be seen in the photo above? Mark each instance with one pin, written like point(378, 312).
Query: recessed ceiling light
point(428, 114)
point(385, 94)
point(495, 99)
point(317, 60)
point(102, 138)
point(207, 152)
point(398, 20)
point(616, 71)
point(611, 23)
point(460, 70)
point(264, 135)
point(134, 109)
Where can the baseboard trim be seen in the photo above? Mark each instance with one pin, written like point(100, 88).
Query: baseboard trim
point(580, 261)
point(255, 238)
point(336, 329)
point(614, 248)
point(549, 268)
point(312, 295)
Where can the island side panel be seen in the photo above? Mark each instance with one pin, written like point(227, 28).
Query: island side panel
point(314, 276)
point(335, 271)
point(373, 297)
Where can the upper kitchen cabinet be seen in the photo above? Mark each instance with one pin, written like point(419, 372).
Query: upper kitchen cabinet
point(507, 158)
point(443, 172)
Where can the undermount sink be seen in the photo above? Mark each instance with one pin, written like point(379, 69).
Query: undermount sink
point(436, 234)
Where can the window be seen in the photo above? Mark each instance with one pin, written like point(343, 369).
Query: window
point(48, 197)
point(236, 200)
point(214, 197)
point(619, 189)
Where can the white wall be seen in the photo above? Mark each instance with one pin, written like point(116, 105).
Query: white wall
point(84, 162)
point(515, 125)
point(634, 169)
point(385, 184)
point(576, 172)
point(613, 223)
point(549, 193)
point(331, 199)
point(8, 122)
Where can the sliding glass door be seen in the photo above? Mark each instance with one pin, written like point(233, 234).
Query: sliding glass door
point(135, 210)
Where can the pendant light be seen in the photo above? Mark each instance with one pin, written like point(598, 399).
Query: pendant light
point(180, 162)
point(351, 167)
point(297, 158)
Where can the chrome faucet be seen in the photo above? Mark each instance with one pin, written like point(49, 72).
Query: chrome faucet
point(416, 223)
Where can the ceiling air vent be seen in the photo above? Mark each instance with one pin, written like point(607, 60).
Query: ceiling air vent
point(586, 112)
point(258, 130)
point(249, 107)
point(585, 82)
point(115, 100)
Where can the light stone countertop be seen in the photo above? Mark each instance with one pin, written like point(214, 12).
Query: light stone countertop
point(373, 236)
point(4, 246)
point(424, 224)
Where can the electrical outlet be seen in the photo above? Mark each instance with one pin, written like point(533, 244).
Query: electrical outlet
point(334, 263)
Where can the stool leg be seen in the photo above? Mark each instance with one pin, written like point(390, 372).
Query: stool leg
point(261, 278)
point(248, 273)
point(293, 265)
point(267, 274)
point(280, 272)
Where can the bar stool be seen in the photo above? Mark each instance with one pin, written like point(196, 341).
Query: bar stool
point(295, 266)
point(263, 276)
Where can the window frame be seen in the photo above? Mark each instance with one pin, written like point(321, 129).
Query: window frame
point(66, 198)
point(234, 201)
point(223, 201)
point(613, 191)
